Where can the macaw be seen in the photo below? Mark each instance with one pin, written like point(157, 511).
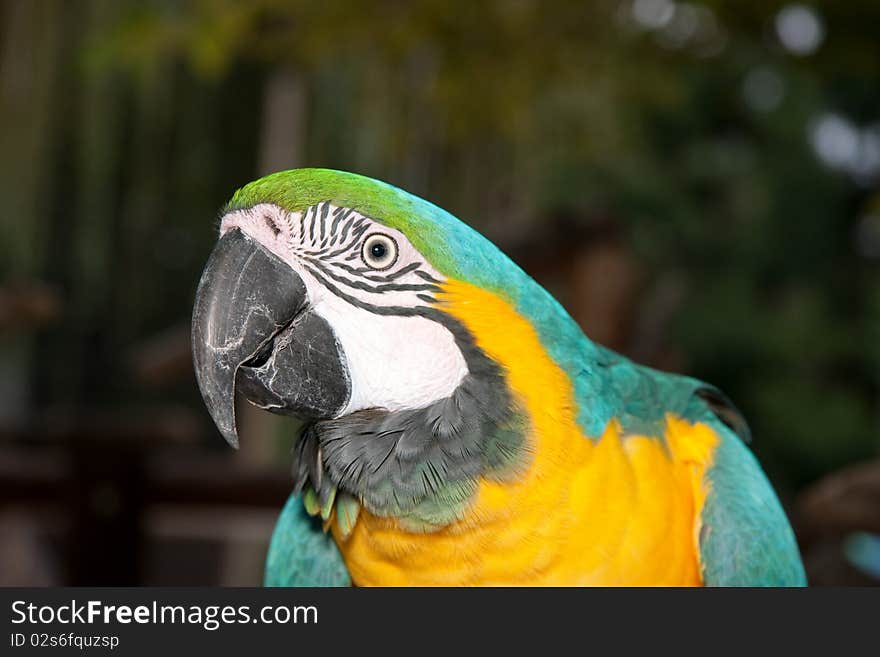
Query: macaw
point(459, 427)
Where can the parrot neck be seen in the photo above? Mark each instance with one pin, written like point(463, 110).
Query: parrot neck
point(550, 366)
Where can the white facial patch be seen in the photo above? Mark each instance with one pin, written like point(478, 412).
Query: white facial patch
point(394, 362)
point(397, 359)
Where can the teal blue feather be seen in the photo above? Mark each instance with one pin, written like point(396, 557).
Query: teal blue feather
point(745, 538)
point(301, 554)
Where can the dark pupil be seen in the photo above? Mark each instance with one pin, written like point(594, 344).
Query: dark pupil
point(378, 250)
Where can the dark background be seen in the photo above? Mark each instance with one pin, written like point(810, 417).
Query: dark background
point(697, 182)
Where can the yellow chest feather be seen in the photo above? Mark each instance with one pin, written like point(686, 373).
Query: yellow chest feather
point(623, 510)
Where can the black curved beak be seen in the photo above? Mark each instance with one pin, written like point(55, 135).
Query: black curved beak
point(252, 328)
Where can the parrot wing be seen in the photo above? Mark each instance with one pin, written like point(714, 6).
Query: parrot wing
point(745, 538)
point(301, 553)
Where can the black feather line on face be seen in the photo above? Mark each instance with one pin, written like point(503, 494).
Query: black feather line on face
point(361, 271)
point(403, 311)
point(403, 271)
point(415, 463)
point(325, 209)
point(313, 211)
point(360, 284)
point(339, 214)
point(427, 276)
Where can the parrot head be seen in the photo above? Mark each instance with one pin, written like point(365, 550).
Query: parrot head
point(326, 298)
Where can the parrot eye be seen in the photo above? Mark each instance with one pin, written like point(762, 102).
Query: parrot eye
point(379, 251)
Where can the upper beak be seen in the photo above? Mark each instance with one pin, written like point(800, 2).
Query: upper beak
point(252, 325)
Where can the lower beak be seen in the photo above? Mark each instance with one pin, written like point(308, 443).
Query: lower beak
point(252, 327)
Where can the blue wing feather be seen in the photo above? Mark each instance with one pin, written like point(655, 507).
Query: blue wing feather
point(301, 553)
point(745, 538)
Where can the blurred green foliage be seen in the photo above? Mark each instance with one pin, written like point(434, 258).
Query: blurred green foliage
point(128, 123)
